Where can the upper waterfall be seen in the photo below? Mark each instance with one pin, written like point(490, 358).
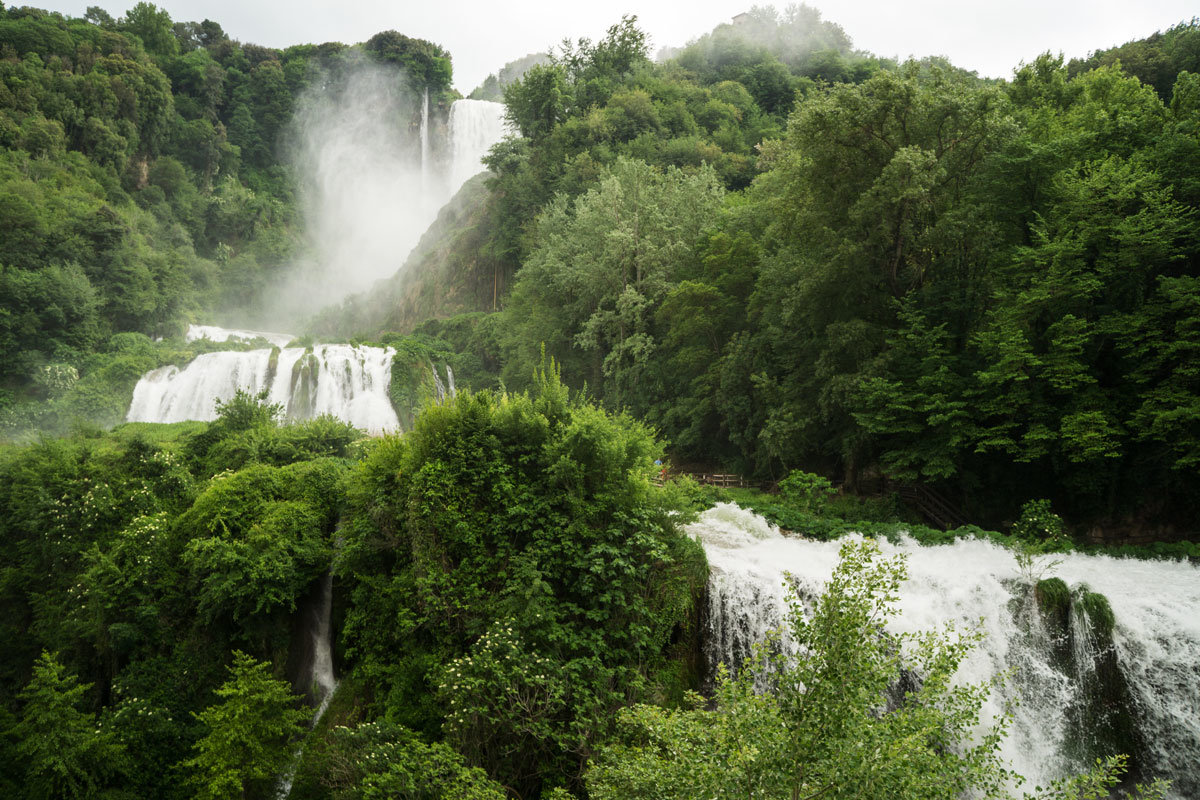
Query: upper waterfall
point(475, 125)
point(978, 584)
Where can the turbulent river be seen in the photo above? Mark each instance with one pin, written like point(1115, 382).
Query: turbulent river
point(1155, 644)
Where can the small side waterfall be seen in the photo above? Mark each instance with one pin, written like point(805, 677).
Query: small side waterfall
point(322, 682)
point(1070, 679)
point(351, 383)
point(475, 125)
point(440, 390)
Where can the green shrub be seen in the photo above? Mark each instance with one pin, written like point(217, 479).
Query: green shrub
point(1041, 527)
point(806, 491)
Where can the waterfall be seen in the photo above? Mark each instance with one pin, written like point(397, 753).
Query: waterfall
point(351, 383)
point(439, 388)
point(322, 681)
point(1155, 646)
point(475, 125)
point(425, 187)
point(215, 334)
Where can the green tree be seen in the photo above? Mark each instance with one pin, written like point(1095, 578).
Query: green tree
point(153, 26)
point(382, 761)
point(537, 102)
point(66, 752)
point(806, 491)
point(871, 201)
point(250, 734)
point(427, 64)
point(601, 268)
point(517, 578)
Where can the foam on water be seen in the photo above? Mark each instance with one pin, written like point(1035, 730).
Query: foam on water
point(351, 383)
point(975, 583)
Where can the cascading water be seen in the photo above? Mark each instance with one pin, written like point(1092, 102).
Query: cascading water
point(424, 133)
point(322, 680)
point(977, 583)
point(442, 390)
point(215, 334)
point(351, 383)
point(475, 125)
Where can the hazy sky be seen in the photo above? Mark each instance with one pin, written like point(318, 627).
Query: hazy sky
point(482, 35)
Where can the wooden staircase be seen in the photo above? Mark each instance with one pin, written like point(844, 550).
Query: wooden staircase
point(936, 509)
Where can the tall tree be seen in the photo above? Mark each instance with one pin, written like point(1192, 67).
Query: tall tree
point(250, 734)
point(67, 754)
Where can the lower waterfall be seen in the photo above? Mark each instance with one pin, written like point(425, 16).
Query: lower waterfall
point(350, 383)
point(324, 682)
point(1154, 650)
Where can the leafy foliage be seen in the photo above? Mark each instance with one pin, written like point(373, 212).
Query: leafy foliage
point(249, 733)
point(808, 491)
point(1040, 526)
point(531, 570)
point(66, 753)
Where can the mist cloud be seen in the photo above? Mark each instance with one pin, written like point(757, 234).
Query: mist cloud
point(366, 196)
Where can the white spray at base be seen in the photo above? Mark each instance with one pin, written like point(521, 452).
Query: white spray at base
point(972, 583)
point(375, 167)
point(351, 383)
point(360, 144)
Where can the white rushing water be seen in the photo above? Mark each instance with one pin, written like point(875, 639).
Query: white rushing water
point(322, 680)
point(977, 583)
point(351, 383)
point(424, 135)
point(475, 125)
point(215, 334)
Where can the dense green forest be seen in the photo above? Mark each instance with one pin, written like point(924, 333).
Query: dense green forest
point(784, 254)
point(767, 252)
point(143, 183)
point(987, 287)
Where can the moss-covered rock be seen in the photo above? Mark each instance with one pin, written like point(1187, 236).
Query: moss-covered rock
point(1103, 722)
point(1098, 611)
point(304, 387)
point(1054, 604)
point(272, 366)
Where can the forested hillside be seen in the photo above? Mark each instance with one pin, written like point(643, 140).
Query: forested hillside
point(143, 184)
point(784, 253)
point(769, 253)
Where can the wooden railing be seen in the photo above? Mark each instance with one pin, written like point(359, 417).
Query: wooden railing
point(725, 480)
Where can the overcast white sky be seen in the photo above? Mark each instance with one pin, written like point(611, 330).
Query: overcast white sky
point(991, 38)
